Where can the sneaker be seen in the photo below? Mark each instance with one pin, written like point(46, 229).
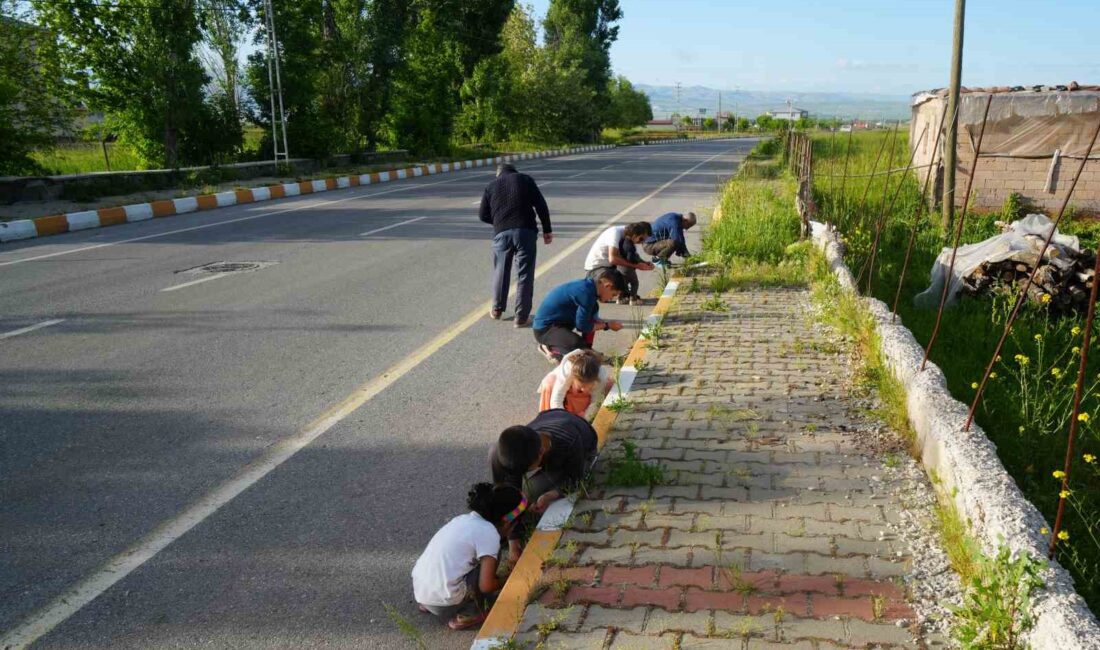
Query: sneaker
point(495, 313)
point(551, 356)
point(466, 621)
point(664, 264)
point(521, 322)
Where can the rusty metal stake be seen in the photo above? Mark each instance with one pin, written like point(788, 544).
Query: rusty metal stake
point(918, 215)
point(958, 234)
point(880, 225)
point(844, 179)
point(1030, 281)
point(1077, 392)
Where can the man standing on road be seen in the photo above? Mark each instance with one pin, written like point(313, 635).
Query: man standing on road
point(668, 237)
point(510, 203)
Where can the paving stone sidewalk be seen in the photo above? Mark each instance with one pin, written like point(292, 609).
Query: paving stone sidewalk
point(777, 525)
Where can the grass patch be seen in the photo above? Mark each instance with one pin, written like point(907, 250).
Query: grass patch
point(628, 470)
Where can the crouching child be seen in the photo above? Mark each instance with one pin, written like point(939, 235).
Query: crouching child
point(457, 572)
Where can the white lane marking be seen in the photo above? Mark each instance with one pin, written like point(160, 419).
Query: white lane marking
point(477, 202)
point(31, 328)
point(194, 282)
point(296, 208)
point(392, 225)
point(118, 567)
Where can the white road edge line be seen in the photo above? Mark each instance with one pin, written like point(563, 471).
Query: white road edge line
point(31, 328)
point(121, 565)
point(194, 282)
point(392, 225)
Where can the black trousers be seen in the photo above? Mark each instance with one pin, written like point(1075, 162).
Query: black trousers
point(562, 338)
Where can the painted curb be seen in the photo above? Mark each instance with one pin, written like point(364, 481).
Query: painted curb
point(966, 463)
point(73, 221)
point(507, 611)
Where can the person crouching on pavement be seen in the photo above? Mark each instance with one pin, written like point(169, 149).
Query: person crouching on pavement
point(576, 384)
point(552, 453)
point(668, 237)
point(568, 317)
point(616, 248)
point(457, 571)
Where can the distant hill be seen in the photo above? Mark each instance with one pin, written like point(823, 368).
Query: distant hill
point(750, 103)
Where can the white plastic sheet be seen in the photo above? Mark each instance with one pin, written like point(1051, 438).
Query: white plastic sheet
point(1021, 242)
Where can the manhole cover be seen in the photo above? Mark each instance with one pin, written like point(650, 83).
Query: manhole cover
point(226, 267)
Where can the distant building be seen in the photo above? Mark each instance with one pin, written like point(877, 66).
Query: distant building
point(660, 125)
point(791, 114)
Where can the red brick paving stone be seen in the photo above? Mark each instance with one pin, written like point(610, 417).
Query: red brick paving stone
point(830, 606)
point(599, 595)
point(792, 582)
point(896, 610)
point(699, 577)
point(794, 604)
point(728, 601)
point(861, 587)
point(761, 580)
point(666, 598)
point(616, 575)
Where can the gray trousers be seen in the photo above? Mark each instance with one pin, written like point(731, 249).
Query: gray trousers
point(474, 600)
point(521, 244)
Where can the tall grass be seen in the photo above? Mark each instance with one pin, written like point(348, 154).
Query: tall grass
point(1025, 408)
point(84, 157)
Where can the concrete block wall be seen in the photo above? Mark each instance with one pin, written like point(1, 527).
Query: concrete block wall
point(998, 177)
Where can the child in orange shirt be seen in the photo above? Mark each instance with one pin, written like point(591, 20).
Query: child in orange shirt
point(579, 381)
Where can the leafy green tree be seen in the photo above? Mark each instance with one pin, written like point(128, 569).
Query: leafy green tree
point(710, 124)
point(34, 99)
point(579, 33)
point(766, 122)
point(743, 124)
point(730, 123)
point(687, 121)
point(629, 107)
point(487, 112)
point(138, 63)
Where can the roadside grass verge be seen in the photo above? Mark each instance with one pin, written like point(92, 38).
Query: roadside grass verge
point(1026, 407)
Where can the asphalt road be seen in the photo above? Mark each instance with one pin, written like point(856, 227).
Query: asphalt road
point(183, 455)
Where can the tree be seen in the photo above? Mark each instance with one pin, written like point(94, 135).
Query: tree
point(579, 33)
point(766, 122)
point(138, 63)
point(34, 100)
point(730, 123)
point(629, 107)
point(743, 124)
point(710, 124)
point(687, 121)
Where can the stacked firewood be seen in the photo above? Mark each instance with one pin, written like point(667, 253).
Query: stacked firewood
point(1065, 278)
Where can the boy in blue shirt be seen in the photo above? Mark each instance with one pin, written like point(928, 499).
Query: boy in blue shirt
point(568, 317)
point(668, 237)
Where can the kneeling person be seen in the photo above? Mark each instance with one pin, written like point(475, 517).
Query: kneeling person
point(458, 569)
point(616, 248)
point(568, 317)
point(555, 448)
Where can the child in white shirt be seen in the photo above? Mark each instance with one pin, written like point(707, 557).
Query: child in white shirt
point(458, 570)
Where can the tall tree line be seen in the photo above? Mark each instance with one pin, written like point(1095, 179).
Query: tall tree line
point(356, 74)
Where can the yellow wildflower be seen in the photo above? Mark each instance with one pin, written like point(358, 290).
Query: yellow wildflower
point(1056, 372)
point(1076, 350)
point(1038, 337)
point(1022, 359)
point(1063, 535)
point(992, 375)
point(1089, 458)
point(1045, 299)
point(1059, 474)
point(998, 359)
point(1064, 494)
point(1082, 417)
point(1044, 531)
point(1075, 331)
point(974, 385)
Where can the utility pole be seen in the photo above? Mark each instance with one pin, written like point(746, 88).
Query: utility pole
point(719, 116)
point(950, 145)
point(275, 86)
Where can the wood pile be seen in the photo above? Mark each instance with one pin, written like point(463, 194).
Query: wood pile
point(1067, 279)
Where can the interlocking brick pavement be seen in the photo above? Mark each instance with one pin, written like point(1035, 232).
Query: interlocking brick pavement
point(773, 530)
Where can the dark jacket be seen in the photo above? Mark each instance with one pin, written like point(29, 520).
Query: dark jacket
point(670, 225)
point(512, 201)
point(572, 444)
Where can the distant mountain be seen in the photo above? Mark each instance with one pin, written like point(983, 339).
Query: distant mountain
point(750, 103)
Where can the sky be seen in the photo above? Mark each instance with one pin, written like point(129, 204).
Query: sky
point(888, 47)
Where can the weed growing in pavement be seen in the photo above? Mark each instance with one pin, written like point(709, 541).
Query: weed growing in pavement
point(694, 286)
point(714, 303)
point(407, 629)
point(720, 283)
point(653, 332)
point(510, 643)
point(630, 471)
point(641, 364)
point(737, 580)
point(563, 554)
point(621, 402)
point(891, 460)
point(996, 609)
point(551, 623)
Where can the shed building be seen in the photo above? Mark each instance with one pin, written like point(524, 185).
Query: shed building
point(1034, 141)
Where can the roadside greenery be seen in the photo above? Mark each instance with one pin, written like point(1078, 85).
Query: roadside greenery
point(1026, 407)
point(357, 76)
